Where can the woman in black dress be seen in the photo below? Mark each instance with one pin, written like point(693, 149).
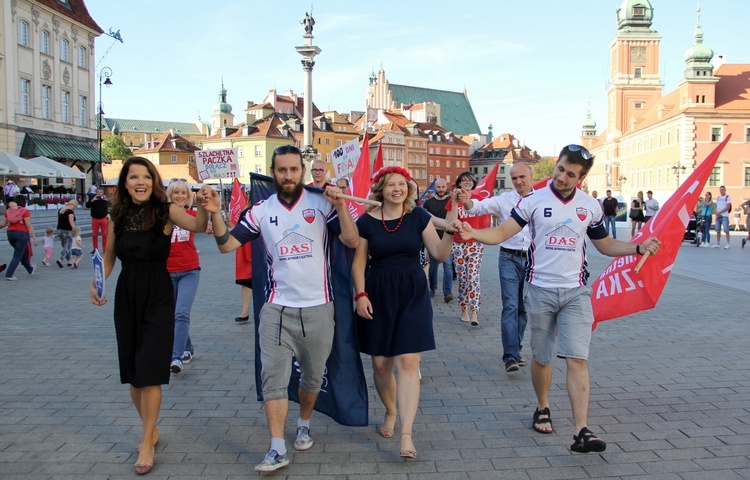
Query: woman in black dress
point(636, 214)
point(394, 323)
point(141, 232)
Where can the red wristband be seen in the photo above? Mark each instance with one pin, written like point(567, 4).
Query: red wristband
point(360, 295)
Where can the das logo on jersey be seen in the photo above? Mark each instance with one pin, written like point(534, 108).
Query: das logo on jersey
point(309, 215)
point(582, 213)
point(562, 237)
point(294, 247)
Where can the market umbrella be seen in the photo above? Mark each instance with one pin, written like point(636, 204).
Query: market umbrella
point(60, 170)
point(19, 167)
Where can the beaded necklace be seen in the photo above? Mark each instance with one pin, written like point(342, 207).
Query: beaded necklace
point(382, 219)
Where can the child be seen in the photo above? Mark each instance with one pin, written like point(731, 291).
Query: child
point(77, 249)
point(49, 242)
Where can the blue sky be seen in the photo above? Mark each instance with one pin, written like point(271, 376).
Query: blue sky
point(530, 67)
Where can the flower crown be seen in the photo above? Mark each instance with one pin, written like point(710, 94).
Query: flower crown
point(388, 170)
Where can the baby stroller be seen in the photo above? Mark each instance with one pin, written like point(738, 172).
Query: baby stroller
point(693, 230)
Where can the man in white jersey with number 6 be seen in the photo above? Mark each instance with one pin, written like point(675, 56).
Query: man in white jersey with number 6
point(556, 294)
point(297, 317)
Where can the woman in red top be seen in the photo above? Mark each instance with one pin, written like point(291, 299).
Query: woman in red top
point(18, 220)
point(184, 267)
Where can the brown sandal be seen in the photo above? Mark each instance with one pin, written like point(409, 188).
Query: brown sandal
point(387, 432)
point(408, 454)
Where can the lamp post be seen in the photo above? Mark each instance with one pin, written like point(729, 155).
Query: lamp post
point(677, 169)
point(620, 180)
point(104, 74)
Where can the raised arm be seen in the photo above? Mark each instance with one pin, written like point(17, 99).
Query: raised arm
point(210, 200)
point(491, 236)
point(349, 233)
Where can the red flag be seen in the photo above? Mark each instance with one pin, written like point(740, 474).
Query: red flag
point(619, 291)
point(541, 183)
point(360, 184)
point(378, 164)
point(237, 202)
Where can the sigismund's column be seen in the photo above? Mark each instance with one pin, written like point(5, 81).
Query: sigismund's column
point(308, 52)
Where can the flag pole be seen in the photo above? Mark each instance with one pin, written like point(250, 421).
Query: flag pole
point(642, 261)
point(366, 201)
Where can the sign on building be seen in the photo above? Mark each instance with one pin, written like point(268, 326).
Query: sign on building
point(219, 163)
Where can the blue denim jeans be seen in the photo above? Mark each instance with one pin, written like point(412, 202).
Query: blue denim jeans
point(513, 318)
point(706, 237)
point(610, 220)
point(447, 275)
point(19, 240)
point(185, 287)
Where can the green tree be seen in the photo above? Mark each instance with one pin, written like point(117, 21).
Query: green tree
point(113, 147)
point(544, 168)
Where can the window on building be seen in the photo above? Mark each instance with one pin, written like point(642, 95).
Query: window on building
point(320, 141)
point(716, 134)
point(258, 169)
point(431, 164)
point(432, 178)
point(82, 56)
point(638, 72)
point(447, 164)
point(328, 141)
point(677, 136)
point(639, 11)
point(174, 158)
point(239, 152)
point(715, 178)
point(437, 163)
point(47, 102)
point(64, 50)
point(191, 159)
point(65, 106)
point(339, 143)
point(448, 179)
point(25, 96)
point(258, 151)
point(502, 183)
point(83, 114)
point(747, 134)
point(638, 105)
point(447, 151)
point(485, 170)
point(23, 33)
point(747, 176)
point(44, 42)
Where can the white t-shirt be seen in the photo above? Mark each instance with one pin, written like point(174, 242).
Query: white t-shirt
point(557, 254)
point(652, 205)
point(721, 202)
point(297, 247)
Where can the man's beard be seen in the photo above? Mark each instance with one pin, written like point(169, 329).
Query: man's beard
point(282, 192)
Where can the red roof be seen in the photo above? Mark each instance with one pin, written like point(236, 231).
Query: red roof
point(77, 12)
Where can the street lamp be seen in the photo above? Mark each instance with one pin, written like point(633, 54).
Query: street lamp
point(677, 169)
point(104, 74)
point(620, 180)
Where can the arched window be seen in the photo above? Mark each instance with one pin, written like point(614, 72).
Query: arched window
point(64, 50)
point(44, 42)
point(82, 56)
point(23, 33)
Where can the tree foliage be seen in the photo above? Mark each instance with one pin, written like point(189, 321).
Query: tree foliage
point(113, 147)
point(544, 168)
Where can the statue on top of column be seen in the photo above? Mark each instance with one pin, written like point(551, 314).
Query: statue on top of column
point(308, 22)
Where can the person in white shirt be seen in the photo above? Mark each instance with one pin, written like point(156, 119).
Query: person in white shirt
point(722, 209)
point(298, 314)
point(652, 206)
point(511, 262)
point(557, 297)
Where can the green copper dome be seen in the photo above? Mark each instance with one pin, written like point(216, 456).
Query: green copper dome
point(634, 14)
point(699, 52)
point(223, 106)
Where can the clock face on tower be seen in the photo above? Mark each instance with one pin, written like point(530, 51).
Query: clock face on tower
point(638, 54)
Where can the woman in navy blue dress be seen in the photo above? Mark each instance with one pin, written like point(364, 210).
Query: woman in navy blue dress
point(394, 323)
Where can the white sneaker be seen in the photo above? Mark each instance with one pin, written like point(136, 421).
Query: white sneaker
point(726, 247)
point(716, 245)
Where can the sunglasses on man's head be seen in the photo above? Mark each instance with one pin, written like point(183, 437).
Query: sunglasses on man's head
point(172, 180)
point(577, 148)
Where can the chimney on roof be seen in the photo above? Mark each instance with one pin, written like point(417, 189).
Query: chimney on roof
point(171, 132)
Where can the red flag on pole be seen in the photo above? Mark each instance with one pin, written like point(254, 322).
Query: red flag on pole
point(378, 164)
point(360, 184)
point(237, 202)
point(619, 291)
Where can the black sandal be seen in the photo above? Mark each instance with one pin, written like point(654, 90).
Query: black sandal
point(541, 421)
point(586, 442)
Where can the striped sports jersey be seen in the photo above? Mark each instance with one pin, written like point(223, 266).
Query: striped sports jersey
point(296, 237)
point(557, 254)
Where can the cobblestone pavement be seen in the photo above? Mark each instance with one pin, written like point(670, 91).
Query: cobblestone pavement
point(670, 390)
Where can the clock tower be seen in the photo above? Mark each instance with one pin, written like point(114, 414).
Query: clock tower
point(635, 84)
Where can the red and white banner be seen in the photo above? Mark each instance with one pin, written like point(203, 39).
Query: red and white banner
point(360, 184)
point(619, 291)
point(237, 202)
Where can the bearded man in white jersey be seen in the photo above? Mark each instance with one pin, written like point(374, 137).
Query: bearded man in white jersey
point(298, 314)
point(556, 295)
